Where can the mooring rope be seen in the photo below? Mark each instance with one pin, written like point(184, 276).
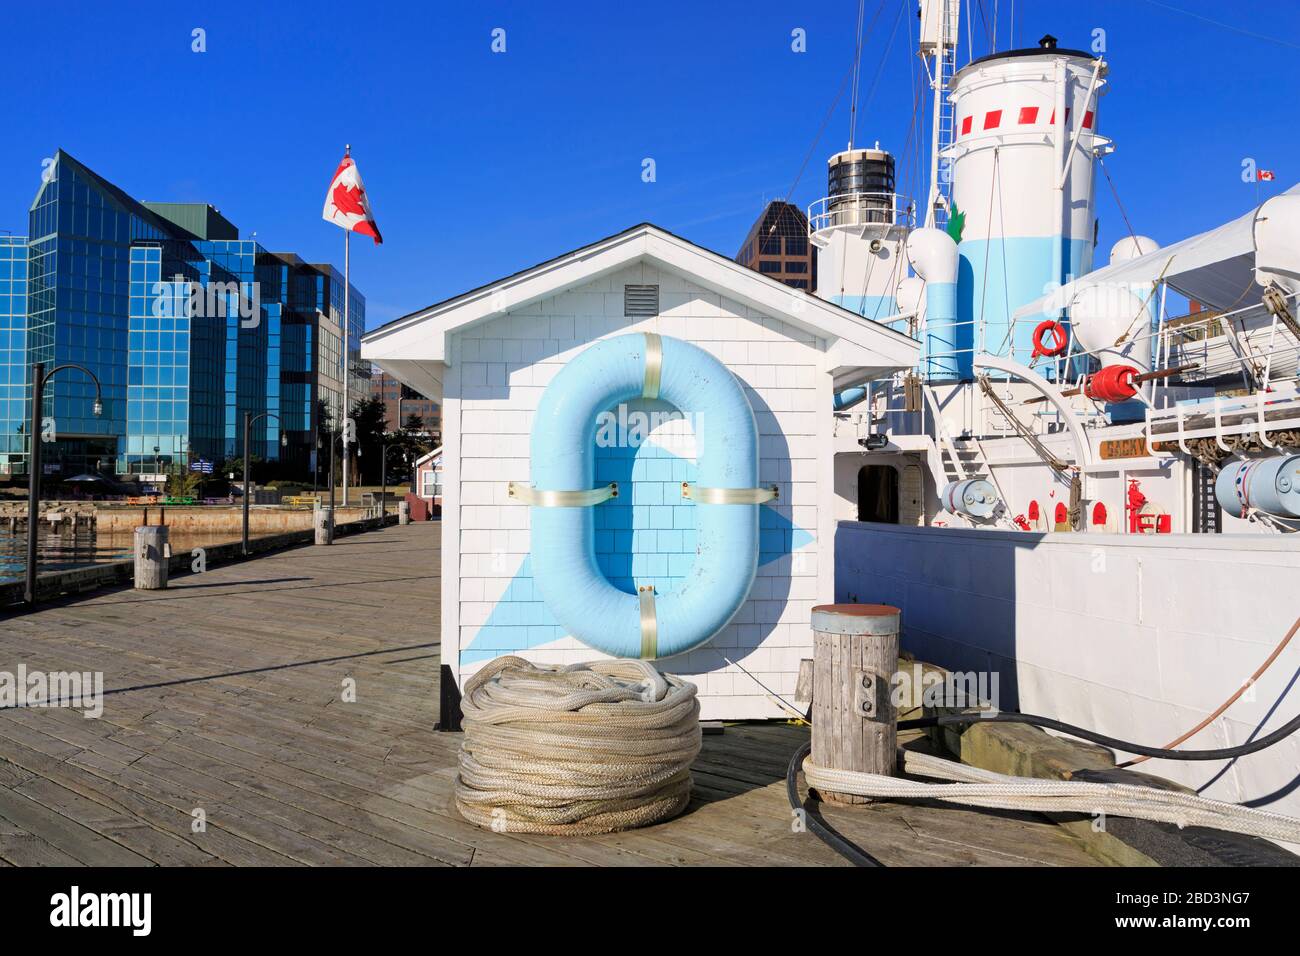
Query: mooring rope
point(985, 788)
point(583, 749)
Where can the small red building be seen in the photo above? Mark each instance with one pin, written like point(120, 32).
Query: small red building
point(425, 496)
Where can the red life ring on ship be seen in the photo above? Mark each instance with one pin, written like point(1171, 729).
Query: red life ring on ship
point(1060, 338)
point(1114, 384)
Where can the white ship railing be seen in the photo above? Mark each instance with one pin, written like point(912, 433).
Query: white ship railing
point(884, 210)
point(1226, 417)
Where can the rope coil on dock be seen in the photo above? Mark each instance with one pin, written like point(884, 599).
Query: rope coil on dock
point(581, 749)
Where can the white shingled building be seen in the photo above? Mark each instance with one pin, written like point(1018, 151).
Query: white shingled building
point(487, 355)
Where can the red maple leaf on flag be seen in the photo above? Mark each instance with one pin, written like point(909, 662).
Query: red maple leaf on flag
point(348, 199)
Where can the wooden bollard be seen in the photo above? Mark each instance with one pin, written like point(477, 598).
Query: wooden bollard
point(403, 512)
point(151, 554)
point(323, 521)
point(855, 656)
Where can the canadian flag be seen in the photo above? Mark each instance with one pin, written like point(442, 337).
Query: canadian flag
point(346, 202)
point(1264, 176)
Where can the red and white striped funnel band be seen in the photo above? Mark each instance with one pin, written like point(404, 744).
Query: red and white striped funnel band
point(1027, 116)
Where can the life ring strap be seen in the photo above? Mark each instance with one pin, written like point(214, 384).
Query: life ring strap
point(562, 499)
point(649, 623)
point(729, 496)
point(654, 363)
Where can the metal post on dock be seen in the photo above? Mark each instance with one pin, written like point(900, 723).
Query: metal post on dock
point(34, 439)
point(151, 557)
point(323, 518)
point(249, 418)
point(403, 512)
point(855, 657)
point(34, 480)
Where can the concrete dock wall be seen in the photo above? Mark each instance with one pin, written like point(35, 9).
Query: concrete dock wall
point(53, 584)
point(218, 519)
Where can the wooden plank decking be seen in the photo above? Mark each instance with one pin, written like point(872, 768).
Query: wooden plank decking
point(224, 694)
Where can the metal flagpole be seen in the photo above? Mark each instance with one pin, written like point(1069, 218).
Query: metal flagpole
point(347, 334)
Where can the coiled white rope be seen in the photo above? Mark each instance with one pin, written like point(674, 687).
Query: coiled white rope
point(985, 788)
point(583, 749)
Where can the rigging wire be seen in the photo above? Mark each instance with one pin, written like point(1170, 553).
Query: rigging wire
point(857, 66)
point(1115, 192)
point(1222, 25)
point(866, 280)
point(820, 131)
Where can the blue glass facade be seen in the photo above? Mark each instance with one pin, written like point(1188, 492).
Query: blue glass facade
point(14, 377)
point(186, 333)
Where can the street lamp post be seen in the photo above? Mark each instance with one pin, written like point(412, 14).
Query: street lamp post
point(39, 378)
point(383, 478)
point(334, 439)
point(248, 427)
point(341, 439)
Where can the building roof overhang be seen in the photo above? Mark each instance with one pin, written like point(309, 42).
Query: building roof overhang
point(414, 348)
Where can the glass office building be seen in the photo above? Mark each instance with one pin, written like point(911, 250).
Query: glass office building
point(186, 326)
point(14, 393)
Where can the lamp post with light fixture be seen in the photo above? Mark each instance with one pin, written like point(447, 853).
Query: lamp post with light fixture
point(384, 449)
point(39, 378)
point(248, 427)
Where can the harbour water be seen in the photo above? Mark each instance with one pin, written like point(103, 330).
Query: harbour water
point(64, 551)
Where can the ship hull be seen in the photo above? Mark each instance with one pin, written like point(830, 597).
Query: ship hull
point(1136, 636)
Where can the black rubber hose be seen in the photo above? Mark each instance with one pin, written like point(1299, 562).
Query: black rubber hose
point(1224, 753)
point(819, 827)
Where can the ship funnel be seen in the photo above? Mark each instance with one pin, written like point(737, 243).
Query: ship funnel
point(1024, 150)
point(933, 255)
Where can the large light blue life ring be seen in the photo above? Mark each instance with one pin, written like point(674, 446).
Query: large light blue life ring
point(565, 571)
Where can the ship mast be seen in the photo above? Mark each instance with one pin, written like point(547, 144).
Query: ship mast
point(938, 49)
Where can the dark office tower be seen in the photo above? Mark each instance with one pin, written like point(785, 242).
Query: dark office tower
point(777, 246)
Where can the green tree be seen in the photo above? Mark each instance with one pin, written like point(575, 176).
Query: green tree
point(370, 429)
point(183, 484)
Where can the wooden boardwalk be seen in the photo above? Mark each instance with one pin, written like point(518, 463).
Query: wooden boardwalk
point(226, 738)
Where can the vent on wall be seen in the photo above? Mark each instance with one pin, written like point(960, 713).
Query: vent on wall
point(640, 300)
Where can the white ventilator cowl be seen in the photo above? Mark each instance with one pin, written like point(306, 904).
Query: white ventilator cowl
point(1131, 247)
point(910, 294)
point(933, 254)
point(1113, 323)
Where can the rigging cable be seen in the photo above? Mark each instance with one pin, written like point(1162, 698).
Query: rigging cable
point(857, 66)
point(1115, 192)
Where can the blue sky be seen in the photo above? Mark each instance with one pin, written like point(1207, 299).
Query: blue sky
point(479, 164)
